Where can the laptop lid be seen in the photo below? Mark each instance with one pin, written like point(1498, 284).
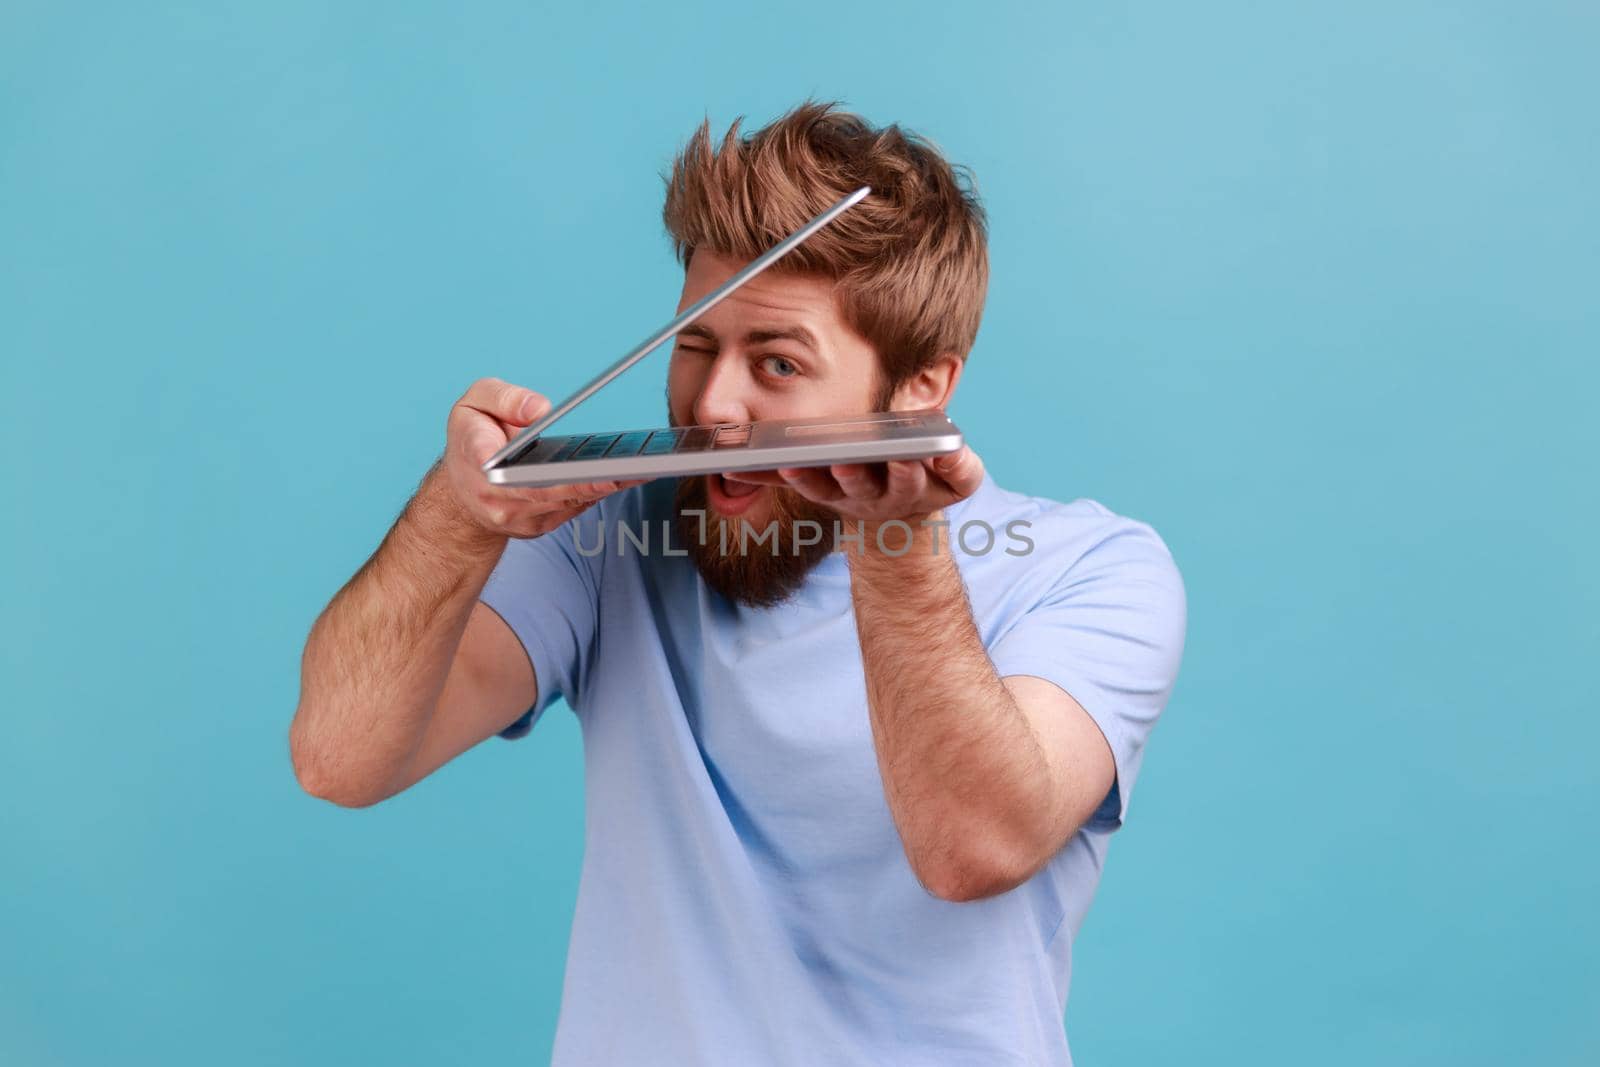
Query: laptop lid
point(671, 329)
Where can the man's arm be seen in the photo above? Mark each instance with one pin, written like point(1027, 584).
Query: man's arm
point(986, 777)
point(390, 645)
point(404, 670)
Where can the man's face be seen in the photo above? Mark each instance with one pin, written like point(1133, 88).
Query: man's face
point(777, 348)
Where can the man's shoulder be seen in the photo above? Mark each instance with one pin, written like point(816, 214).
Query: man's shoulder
point(1063, 531)
point(1078, 560)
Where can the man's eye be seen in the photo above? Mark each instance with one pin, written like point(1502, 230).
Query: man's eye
point(780, 366)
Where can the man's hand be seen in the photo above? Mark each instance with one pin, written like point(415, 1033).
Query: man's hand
point(906, 489)
point(481, 422)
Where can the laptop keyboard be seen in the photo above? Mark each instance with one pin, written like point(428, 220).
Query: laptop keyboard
point(652, 442)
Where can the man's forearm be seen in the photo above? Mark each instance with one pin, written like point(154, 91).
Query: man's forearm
point(377, 658)
point(963, 772)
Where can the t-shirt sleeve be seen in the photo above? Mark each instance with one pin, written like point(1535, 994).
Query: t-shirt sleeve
point(1109, 630)
point(547, 591)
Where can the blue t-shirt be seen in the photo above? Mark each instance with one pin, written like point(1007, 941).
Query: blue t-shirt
point(745, 897)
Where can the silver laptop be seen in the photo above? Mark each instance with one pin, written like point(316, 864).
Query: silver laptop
point(534, 458)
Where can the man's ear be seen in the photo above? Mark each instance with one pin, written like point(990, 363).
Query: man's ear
point(930, 387)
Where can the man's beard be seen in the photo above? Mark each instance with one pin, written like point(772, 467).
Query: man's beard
point(755, 574)
point(765, 574)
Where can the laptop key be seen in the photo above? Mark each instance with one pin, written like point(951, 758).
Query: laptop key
point(596, 446)
point(567, 449)
point(661, 442)
point(697, 439)
point(733, 437)
point(628, 444)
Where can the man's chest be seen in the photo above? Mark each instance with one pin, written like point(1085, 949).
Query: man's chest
point(771, 707)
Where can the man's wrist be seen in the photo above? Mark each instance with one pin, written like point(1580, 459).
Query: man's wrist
point(911, 537)
point(439, 521)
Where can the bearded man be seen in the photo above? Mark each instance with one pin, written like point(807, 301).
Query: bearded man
point(848, 796)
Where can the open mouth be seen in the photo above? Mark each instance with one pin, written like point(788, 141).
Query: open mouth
point(737, 489)
point(730, 497)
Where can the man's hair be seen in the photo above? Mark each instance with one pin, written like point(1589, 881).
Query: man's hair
point(909, 263)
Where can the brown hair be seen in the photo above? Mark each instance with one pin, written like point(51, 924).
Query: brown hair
point(909, 263)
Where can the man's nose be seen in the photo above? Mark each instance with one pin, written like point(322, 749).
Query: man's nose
point(724, 395)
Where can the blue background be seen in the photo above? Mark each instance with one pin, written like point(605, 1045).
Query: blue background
point(1309, 287)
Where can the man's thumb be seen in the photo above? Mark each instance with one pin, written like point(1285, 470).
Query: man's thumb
point(532, 407)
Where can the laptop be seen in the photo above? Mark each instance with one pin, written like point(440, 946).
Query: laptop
point(534, 458)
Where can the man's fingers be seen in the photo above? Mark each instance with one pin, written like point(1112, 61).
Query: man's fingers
point(908, 479)
point(756, 477)
point(962, 471)
point(530, 512)
point(507, 408)
point(511, 404)
point(480, 424)
point(859, 480)
point(599, 489)
point(581, 493)
point(480, 440)
point(813, 483)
